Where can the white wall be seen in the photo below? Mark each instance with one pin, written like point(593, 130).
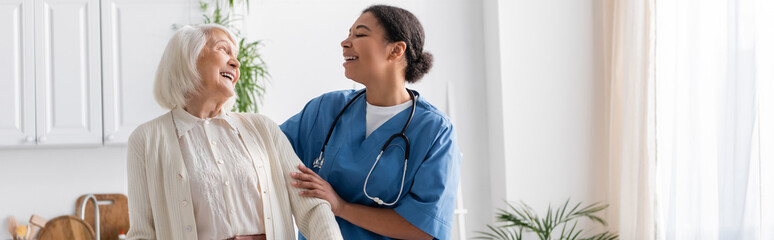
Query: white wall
point(550, 78)
point(47, 181)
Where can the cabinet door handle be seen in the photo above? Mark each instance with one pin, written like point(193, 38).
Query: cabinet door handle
point(110, 137)
point(29, 139)
point(42, 139)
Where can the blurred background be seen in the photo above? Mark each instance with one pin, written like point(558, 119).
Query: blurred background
point(661, 109)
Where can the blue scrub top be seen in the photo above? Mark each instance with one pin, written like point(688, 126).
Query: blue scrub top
point(432, 174)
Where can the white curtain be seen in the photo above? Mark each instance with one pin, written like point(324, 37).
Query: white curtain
point(629, 82)
point(708, 138)
point(691, 118)
point(764, 59)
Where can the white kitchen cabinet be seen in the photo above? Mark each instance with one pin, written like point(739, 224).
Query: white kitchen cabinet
point(81, 72)
point(17, 76)
point(68, 94)
point(134, 36)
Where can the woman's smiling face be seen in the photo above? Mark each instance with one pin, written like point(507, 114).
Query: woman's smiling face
point(365, 49)
point(218, 66)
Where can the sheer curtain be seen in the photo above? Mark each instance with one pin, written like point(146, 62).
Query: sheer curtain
point(764, 59)
point(629, 85)
point(690, 88)
point(711, 143)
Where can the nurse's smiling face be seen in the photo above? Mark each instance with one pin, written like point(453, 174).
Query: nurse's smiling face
point(366, 52)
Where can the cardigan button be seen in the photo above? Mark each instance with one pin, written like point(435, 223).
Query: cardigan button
point(188, 228)
point(184, 203)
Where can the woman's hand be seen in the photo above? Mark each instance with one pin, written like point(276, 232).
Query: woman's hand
point(317, 187)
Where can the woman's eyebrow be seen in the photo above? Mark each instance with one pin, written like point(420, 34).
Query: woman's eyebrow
point(361, 26)
point(226, 42)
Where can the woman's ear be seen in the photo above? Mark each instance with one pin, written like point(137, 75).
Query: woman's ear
point(398, 49)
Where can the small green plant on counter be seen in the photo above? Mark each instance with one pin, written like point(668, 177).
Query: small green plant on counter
point(514, 222)
point(253, 79)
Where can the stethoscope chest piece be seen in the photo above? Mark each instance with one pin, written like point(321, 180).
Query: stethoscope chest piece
point(318, 162)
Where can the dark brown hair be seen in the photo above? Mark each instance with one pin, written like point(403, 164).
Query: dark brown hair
point(401, 25)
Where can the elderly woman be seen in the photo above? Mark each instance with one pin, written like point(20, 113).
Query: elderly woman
point(202, 172)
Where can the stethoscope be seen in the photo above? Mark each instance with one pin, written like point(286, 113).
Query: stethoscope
point(318, 162)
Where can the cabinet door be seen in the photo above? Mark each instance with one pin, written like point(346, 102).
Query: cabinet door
point(17, 79)
point(68, 82)
point(134, 36)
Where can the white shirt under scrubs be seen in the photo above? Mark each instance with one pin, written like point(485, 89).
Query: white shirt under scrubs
point(224, 183)
point(376, 116)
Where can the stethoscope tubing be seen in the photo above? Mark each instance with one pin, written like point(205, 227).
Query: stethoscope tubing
point(318, 162)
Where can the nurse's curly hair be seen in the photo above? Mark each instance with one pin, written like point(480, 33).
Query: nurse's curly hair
point(402, 25)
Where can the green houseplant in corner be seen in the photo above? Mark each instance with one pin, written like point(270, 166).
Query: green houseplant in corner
point(515, 221)
point(253, 79)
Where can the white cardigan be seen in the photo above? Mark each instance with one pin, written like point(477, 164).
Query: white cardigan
point(160, 197)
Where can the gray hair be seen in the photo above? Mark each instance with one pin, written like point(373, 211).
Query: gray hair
point(177, 77)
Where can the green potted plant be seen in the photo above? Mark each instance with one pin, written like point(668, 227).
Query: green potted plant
point(514, 222)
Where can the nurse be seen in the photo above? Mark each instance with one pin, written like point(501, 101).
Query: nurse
point(384, 158)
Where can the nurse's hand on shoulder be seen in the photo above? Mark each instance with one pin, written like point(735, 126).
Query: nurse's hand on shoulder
point(316, 187)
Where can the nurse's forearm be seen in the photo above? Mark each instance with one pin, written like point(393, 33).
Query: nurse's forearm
point(382, 221)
